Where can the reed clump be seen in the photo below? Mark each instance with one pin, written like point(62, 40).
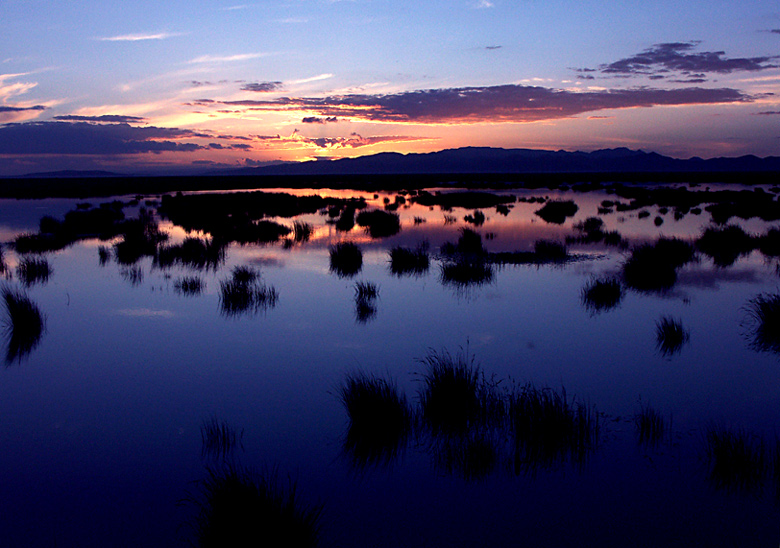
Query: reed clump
point(670, 336)
point(244, 293)
point(738, 459)
point(366, 294)
point(763, 322)
point(379, 223)
point(346, 259)
point(600, 295)
point(189, 286)
point(409, 262)
point(650, 425)
point(24, 324)
point(218, 439)
point(33, 270)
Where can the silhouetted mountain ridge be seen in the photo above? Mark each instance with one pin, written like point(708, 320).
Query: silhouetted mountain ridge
point(499, 160)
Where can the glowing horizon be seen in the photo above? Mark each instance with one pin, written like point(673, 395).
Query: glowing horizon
point(198, 85)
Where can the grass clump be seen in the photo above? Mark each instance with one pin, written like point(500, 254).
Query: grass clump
point(346, 259)
point(189, 286)
point(725, 245)
point(241, 507)
point(737, 458)
point(378, 223)
point(600, 295)
point(366, 294)
point(24, 324)
point(409, 262)
point(33, 270)
point(549, 428)
point(650, 425)
point(764, 322)
point(653, 267)
point(134, 275)
point(302, 231)
point(465, 273)
point(380, 419)
point(556, 211)
point(245, 294)
point(670, 336)
point(550, 250)
point(218, 439)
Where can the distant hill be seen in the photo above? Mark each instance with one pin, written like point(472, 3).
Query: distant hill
point(73, 174)
point(499, 160)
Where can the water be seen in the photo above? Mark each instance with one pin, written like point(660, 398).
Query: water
point(100, 424)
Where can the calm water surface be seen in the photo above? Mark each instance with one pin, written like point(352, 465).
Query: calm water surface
point(100, 424)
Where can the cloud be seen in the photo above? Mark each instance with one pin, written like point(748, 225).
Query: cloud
point(263, 87)
point(311, 79)
point(483, 4)
point(317, 120)
point(506, 103)
point(228, 58)
point(97, 139)
point(680, 57)
point(108, 118)
point(20, 109)
point(493, 47)
point(768, 113)
point(10, 113)
point(139, 37)
point(353, 141)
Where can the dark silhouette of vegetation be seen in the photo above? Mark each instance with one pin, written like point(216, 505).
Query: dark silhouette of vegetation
point(467, 199)
point(477, 218)
point(763, 322)
point(466, 272)
point(218, 439)
point(737, 459)
point(592, 231)
point(140, 238)
point(650, 426)
point(725, 245)
point(134, 274)
point(238, 506)
point(245, 294)
point(670, 336)
point(33, 271)
point(104, 255)
point(380, 420)
point(302, 231)
point(24, 324)
point(549, 428)
point(409, 262)
point(653, 267)
point(378, 223)
point(600, 295)
point(197, 253)
point(366, 294)
point(189, 286)
point(556, 211)
point(346, 259)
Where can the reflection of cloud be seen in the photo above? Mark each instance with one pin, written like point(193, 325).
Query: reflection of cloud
point(679, 57)
point(263, 87)
point(145, 313)
point(506, 103)
point(87, 138)
point(139, 37)
point(109, 118)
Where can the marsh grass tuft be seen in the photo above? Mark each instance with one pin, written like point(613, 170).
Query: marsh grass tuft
point(245, 294)
point(738, 459)
point(189, 286)
point(380, 419)
point(33, 270)
point(409, 262)
point(549, 428)
point(670, 336)
point(238, 506)
point(346, 259)
point(218, 439)
point(600, 295)
point(302, 231)
point(650, 426)
point(24, 324)
point(366, 294)
point(763, 322)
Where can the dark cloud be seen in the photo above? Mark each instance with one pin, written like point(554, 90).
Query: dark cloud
point(493, 47)
point(507, 103)
point(110, 118)
point(218, 146)
point(775, 31)
point(680, 57)
point(87, 138)
point(21, 109)
point(353, 141)
point(263, 87)
point(768, 113)
point(317, 120)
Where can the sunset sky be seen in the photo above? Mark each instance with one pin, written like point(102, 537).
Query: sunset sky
point(135, 87)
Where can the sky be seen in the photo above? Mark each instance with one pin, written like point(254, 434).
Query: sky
point(174, 86)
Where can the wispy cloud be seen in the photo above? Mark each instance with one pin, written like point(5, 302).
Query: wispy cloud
point(139, 37)
point(310, 79)
point(494, 104)
point(104, 118)
point(228, 58)
point(483, 4)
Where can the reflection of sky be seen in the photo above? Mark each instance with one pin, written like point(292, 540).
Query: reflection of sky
point(103, 419)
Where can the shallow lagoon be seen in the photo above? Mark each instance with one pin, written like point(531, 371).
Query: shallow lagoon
point(101, 421)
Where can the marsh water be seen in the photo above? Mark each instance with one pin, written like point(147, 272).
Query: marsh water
point(102, 418)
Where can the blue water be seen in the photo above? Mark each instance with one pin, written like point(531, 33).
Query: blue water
point(100, 426)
